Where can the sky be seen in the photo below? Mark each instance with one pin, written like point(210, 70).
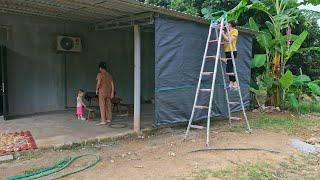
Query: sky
point(310, 7)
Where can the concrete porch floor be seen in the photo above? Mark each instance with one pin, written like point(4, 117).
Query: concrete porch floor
point(55, 129)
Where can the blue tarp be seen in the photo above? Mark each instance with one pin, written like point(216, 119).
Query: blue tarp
point(179, 48)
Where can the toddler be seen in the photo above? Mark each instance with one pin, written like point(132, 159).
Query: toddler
point(80, 105)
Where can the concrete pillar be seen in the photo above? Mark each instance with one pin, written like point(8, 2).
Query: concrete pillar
point(137, 78)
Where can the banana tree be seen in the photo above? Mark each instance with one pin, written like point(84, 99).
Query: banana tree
point(276, 39)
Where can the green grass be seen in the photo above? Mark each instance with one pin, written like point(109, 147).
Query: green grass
point(254, 172)
point(288, 123)
point(32, 170)
point(302, 165)
point(295, 167)
point(305, 108)
point(28, 155)
point(208, 173)
point(245, 171)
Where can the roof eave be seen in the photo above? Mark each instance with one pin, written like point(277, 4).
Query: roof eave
point(185, 16)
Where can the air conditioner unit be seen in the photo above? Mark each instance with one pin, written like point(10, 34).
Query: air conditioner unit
point(69, 44)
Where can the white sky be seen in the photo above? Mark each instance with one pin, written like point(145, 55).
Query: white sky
point(310, 7)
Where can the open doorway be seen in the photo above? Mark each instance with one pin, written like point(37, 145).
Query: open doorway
point(3, 82)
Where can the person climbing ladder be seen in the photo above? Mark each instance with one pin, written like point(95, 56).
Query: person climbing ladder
point(231, 48)
point(229, 40)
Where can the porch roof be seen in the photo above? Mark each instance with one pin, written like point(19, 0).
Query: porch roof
point(91, 11)
point(97, 12)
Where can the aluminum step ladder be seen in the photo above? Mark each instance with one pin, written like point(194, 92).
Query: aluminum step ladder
point(218, 26)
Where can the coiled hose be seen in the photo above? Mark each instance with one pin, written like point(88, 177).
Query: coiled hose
point(57, 167)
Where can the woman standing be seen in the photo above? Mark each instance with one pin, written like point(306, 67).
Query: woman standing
point(230, 45)
point(105, 91)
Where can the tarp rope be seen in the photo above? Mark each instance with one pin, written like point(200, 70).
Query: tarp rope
point(57, 167)
point(193, 86)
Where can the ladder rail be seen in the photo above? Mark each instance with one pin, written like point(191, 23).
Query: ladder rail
point(199, 81)
point(237, 79)
point(213, 81)
point(227, 94)
point(225, 88)
point(219, 30)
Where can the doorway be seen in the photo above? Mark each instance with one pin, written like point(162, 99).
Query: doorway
point(3, 83)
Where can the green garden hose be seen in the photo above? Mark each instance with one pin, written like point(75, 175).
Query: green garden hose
point(57, 167)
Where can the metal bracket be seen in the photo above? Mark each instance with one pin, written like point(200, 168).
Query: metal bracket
point(137, 19)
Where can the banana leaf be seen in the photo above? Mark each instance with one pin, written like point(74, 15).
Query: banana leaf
point(259, 60)
point(259, 6)
point(293, 101)
point(301, 80)
point(286, 80)
point(315, 88)
point(265, 40)
point(253, 85)
point(271, 28)
point(309, 49)
point(297, 44)
point(253, 25)
point(234, 13)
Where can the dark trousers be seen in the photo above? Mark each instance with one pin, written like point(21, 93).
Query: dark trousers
point(229, 68)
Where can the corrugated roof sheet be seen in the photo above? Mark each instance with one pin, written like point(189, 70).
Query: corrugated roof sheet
point(85, 10)
point(91, 11)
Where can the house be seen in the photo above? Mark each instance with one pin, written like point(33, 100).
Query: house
point(151, 52)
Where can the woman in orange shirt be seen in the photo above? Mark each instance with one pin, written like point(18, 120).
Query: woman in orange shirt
point(105, 92)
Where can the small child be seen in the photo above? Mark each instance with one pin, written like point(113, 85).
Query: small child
point(80, 105)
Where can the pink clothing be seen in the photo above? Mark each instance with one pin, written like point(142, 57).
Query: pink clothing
point(80, 110)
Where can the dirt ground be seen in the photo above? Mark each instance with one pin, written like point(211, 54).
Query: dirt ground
point(165, 155)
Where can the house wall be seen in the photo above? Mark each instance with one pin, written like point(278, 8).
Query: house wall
point(40, 79)
point(35, 70)
point(115, 47)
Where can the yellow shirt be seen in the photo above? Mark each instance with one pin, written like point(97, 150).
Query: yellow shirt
point(233, 33)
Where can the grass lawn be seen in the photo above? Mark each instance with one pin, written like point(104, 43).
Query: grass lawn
point(295, 167)
point(288, 123)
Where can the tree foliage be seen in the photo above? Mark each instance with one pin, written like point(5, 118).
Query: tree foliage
point(194, 7)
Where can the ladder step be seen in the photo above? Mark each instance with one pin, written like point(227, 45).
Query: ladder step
point(197, 127)
point(218, 26)
point(201, 107)
point(234, 103)
point(236, 118)
point(226, 59)
point(214, 41)
point(210, 57)
point(223, 59)
point(230, 74)
point(205, 90)
point(207, 73)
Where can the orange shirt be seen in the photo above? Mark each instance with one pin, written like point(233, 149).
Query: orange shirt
point(104, 87)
